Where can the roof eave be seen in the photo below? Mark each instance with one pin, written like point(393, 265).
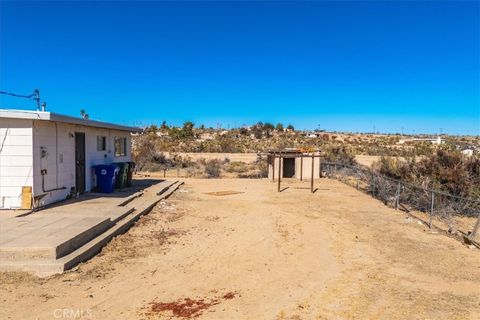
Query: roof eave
point(92, 123)
point(50, 116)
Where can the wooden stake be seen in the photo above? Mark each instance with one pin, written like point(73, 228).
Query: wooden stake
point(397, 196)
point(319, 168)
point(301, 167)
point(473, 234)
point(431, 209)
point(279, 172)
point(273, 168)
point(311, 182)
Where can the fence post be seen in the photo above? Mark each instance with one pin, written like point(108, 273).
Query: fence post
point(164, 172)
point(431, 209)
point(178, 172)
point(397, 196)
point(373, 185)
point(357, 184)
point(473, 234)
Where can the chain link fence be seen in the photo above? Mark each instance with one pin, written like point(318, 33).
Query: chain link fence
point(456, 215)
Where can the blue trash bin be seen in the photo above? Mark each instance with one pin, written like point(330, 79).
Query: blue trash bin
point(105, 177)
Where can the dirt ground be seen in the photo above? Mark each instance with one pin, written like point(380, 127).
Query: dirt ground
point(195, 156)
point(237, 249)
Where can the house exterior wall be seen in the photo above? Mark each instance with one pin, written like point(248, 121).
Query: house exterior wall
point(16, 166)
point(57, 140)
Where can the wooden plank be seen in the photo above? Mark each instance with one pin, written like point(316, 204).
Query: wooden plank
point(26, 197)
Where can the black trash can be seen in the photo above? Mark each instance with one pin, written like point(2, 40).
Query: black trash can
point(121, 180)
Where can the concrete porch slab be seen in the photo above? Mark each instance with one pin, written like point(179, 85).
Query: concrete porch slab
point(59, 237)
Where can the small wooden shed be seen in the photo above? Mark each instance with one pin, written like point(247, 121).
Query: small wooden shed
point(294, 163)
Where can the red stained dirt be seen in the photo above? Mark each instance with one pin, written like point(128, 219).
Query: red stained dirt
point(187, 308)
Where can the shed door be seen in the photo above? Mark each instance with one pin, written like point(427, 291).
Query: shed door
point(80, 161)
point(288, 167)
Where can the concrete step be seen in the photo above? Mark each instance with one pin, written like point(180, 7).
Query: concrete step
point(55, 240)
point(136, 208)
point(130, 199)
point(82, 237)
point(41, 268)
point(120, 213)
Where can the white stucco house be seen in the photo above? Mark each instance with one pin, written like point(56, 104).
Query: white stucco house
point(46, 157)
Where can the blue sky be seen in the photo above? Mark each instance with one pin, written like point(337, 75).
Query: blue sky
point(341, 65)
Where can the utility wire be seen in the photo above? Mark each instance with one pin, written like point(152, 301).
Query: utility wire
point(18, 95)
point(35, 96)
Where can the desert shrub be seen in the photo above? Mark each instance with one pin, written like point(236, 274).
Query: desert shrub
point(236, 167)
point(339, 154)
point(446, 170)
point(262, 168)
point(228, 145)
point(213, 168)
point(202, 161)
point(390, 167)
point(143, 149)
point(256, 170)
point(193, 172)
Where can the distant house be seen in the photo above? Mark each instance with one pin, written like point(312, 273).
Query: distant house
point(468, 152)
point(206, 136)
point(438, 140)
point(45, 157)
point(312, 134)
point(162, 133)
point(223, 132)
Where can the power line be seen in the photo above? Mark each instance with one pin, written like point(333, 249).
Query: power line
point(35, 96)
point(18, 95)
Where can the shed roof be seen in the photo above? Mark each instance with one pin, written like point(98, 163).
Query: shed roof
point(293, 150)
point(50, 116)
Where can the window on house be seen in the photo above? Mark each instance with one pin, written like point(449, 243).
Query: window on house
point(120, 147)
point(101, 143)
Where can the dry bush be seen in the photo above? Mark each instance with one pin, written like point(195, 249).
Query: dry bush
point(236, 167)
point(339, 154)
point(256, 170)
point(213, 168)
point(445, 170)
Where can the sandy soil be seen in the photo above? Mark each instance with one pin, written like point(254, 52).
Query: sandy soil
point(245, 251)
point(243, 157)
